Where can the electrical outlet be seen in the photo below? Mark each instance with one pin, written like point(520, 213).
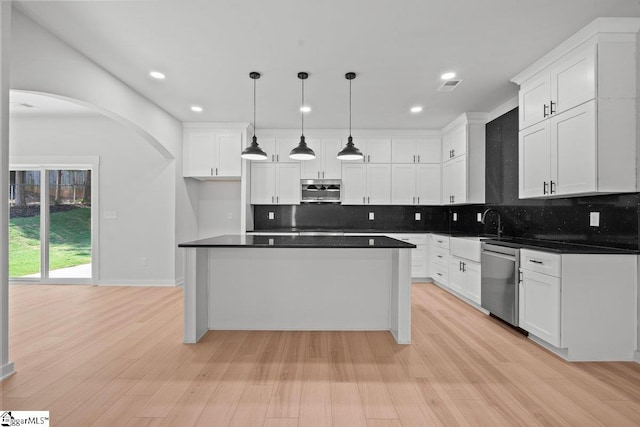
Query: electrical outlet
point(479, 217)
point(372, 242)
point(594, 219)
point(455, 216)
point(371, 216)
point(271, 242)
point(418, 216)
point(272, 215)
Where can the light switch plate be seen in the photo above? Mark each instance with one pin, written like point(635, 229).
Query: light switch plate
point(455, 216)
point(272, 215)
point(418, 216)
point(110, 215)
point(479, 217)
point(594, 219)
point(371, 216)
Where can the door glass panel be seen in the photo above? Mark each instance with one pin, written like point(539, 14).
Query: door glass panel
point(24, 223)
point(69, 223)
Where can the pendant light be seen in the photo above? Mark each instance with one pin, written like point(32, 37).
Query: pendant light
point(302, 151)
point(350, 151)
point(253, 151)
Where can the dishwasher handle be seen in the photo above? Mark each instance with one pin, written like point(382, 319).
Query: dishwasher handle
point(499, 255)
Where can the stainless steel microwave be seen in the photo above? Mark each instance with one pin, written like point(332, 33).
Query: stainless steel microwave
point(321, 190)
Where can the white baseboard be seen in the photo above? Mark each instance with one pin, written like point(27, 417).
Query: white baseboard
point(166, 283)
point(6, 371)
point(636, 357)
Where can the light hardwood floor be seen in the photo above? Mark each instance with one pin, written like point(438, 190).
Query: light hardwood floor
point(114, 356)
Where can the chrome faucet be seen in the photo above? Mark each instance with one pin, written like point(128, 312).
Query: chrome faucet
point(484, 216)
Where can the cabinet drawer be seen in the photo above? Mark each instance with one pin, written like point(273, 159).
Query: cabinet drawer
point(441, 274)
point(541, 262)
point(441, 256)
point(441, 241)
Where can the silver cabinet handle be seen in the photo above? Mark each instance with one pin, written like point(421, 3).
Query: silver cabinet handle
point(414, 200)
point(323, 174)
point(273, 158)
point(278, 157)
point(272, 199)
point(453, 153)
point(363, 200)
point(551, 110)
point(519, 276)
point(544, 187)
point(439, 256)
point(551, 187)
point(545, 107)
point(368, 200)
point(318, 174)
point(418, 199)
point(418, 158)
point(216, 171)
point(414, 158)
point(211, 171)
point(369, 158)
point(535, 261)
point(277, 199)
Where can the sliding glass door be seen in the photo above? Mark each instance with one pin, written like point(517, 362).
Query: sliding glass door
point(50, 233)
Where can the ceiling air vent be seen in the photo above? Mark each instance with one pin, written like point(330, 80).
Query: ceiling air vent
point(449, 85)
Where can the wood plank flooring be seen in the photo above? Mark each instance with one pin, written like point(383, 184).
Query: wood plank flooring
point(109, 356)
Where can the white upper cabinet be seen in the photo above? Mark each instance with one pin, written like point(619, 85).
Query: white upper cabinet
point(567, 84)
point(415, 184)
point(424, 150)
point(578, 115)
point(277, 149)
point(463, 144)
point(273, 184)
point(375, 150)
point(366, 184)
point(326, 164)
point(211, 153)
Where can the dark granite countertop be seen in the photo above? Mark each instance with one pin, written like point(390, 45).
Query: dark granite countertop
point(341, 230)
point(558, 247)
point(344, 242)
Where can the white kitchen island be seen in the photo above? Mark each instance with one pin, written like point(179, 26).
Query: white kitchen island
point(238, 282)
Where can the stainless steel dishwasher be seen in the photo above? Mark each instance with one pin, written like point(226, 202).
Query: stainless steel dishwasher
point(499, 285)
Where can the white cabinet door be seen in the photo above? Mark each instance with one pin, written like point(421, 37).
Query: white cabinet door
point(268, 145)
point(200, 153)
point(534, 160)
point(573, 151)
point(473, 272)
point(379, 184)
point(534, 100)
point(454, 143)
point(573, 80)
point(287, 178)
point(354, 183)
point(263, 183)
point(404, 151)
point(228, 162)
point(429, 150)
point(540, 306)
point(377, 151)
point(403, 184)
point(455, 181)
point(312, 169)
point(457, 279)
point(332, 166)
point(284, 147)
point(428, 184)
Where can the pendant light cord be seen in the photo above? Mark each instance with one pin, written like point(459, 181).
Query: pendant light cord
point(350, 107)
point(254, 107)
point(302, 105)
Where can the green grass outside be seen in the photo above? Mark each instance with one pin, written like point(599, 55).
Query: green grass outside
point(69, 242)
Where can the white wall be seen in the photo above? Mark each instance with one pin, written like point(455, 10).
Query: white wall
point(43, 63)
point(134, 180)
point(219, 208)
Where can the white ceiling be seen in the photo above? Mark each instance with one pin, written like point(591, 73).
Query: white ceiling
point(398, 49)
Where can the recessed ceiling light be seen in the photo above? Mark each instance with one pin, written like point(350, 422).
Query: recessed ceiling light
point(447, 76)
point(196, 108)
point(416, 109)
point(305, 109)
point(157, 75)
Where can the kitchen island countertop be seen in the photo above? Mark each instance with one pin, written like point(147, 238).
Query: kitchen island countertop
point(279, 241)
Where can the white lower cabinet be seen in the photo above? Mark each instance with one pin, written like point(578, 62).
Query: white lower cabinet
point(439, 259)
point(418, 255)
point(464, 278)
point(455, 264)
point(581, 306)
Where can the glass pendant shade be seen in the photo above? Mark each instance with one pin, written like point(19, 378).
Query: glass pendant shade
point(302, 151)
point(253, 151)
point(350, 151)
